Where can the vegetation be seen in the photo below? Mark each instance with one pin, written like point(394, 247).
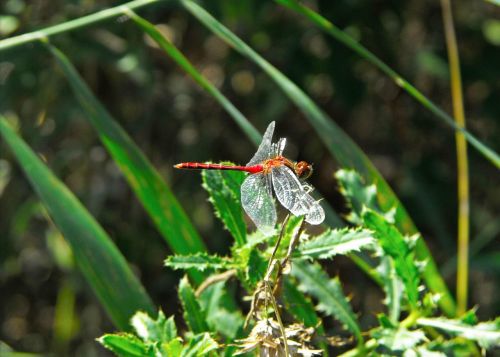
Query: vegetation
point(274, 294)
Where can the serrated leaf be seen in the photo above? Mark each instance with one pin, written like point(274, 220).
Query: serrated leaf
point(256, 267)
point(159, 330)
point(300, 306)
point(395, 246)
point(194, 315)
point(199, 261)
point(222, 316)
point(357, 193)
point(398, 340)
point(393, 287)
point(172, 348)
point(336, 242)
point(125, 345)
point(169, 330)
point(224, 190)
point(199, 346)
point(486, 334)
point(332, 301)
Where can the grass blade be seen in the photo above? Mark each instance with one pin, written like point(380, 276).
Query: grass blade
point(156, 197)
point(101, 263)
point(73, 24)
point(340, 146)
point(348, 41)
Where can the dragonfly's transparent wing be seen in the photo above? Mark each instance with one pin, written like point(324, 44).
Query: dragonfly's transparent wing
point(264, 150)
point(316, 214)
point(258, 202)
point(277, 148)
point(288, 190)
point(294, 197)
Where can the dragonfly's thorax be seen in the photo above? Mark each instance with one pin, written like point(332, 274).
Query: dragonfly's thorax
point(302, 169)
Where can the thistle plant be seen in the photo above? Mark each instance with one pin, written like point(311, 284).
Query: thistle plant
point(273, 293)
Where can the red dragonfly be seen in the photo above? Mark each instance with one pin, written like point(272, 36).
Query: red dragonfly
point(270, 170)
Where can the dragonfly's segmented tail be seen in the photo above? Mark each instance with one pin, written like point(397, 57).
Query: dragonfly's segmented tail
point(202, 166)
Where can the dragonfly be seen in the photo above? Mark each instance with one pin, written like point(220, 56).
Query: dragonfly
point(269, 171)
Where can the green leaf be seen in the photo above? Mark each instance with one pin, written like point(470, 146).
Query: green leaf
point(340, 145)
point(152, 330)
point(357, 194)
point(172, 348)
point(299, 305)
point(222, 316)
point(199, 346)
point(393, 287)
point(395, 246)
point(486, 334)
point(125, 345)
point(336, 242)
point(148, 185)
point(101, 263)
point(351, 43)
point(332, 301)
point(398, 340)
point(200, 261)
point(224, 190)
point(194, 316)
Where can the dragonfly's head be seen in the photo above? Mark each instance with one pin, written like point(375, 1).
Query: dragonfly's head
point(303, 170)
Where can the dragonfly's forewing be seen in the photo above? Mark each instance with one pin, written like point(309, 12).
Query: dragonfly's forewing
point(258, 203)
point(264, 151)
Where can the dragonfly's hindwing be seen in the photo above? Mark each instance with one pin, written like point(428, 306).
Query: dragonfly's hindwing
point(258, 202)
point(288, 190)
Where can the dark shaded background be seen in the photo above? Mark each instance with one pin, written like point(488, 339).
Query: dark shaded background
point(172, 120)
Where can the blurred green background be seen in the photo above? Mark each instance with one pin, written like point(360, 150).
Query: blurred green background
point(45, 304)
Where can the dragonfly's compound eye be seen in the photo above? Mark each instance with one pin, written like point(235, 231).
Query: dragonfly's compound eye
point(303, 170)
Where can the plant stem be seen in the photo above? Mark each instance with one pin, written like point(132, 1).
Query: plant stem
point(462, 162)
point(73, 24)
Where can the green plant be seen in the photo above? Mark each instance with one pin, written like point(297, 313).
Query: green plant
point(292, 295)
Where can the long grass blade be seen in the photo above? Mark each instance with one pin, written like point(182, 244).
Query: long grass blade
point(73, 24)
point(98, 259)
point(348, 41)
point(462, 160)
point(152, 191)
point(338, 143)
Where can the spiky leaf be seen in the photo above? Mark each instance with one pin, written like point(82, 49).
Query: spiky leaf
point(199, 346)
point(397, 340)
point(224, 190)
point(222, 316)
point(194, 315)
point(336, 242)
point(199, 261)
point(332, 301)
point(486, 334)
point(299, 305)
point(357, 194)
point(393, 287)
point(394, 245)
point(125, 345)
point(149, 329)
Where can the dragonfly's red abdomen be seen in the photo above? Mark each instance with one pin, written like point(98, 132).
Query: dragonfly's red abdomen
point(202, 166)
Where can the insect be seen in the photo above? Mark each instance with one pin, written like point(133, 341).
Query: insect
point(271, 172)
